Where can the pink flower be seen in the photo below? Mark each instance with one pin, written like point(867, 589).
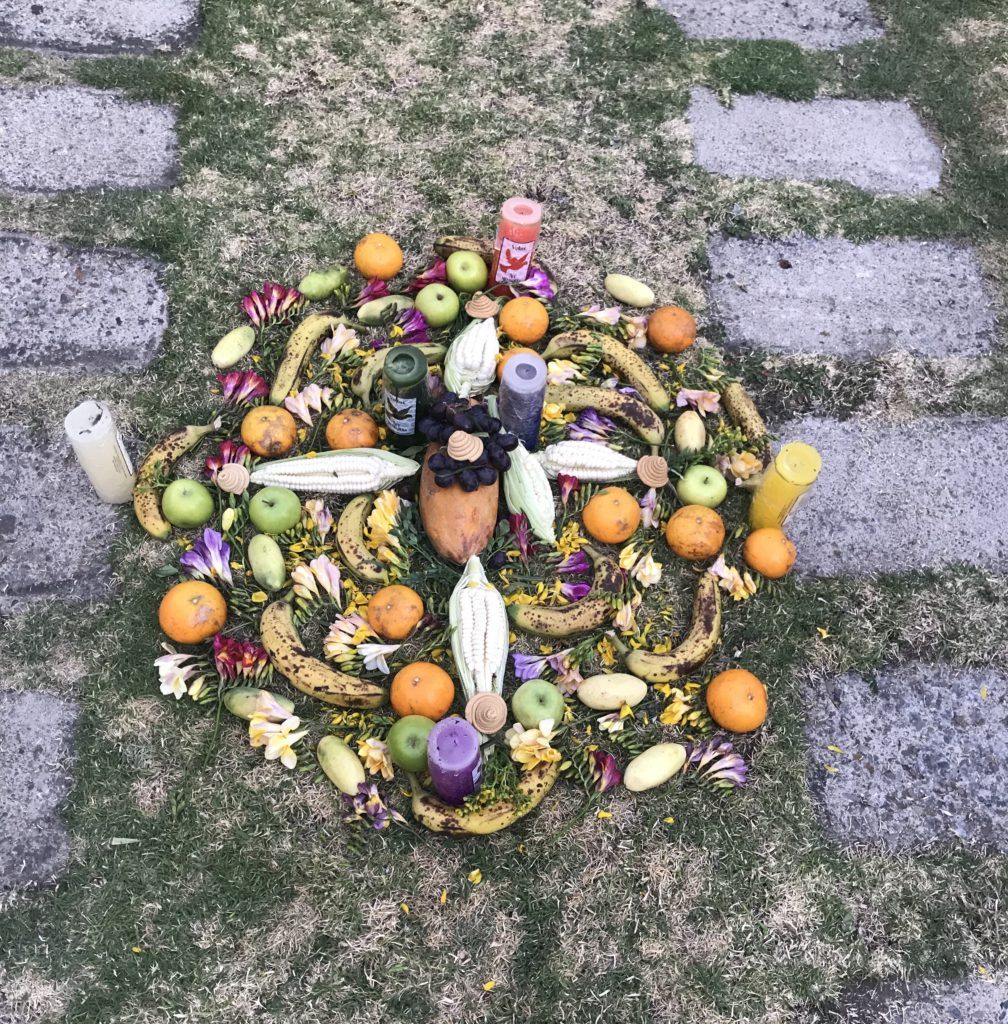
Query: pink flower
point(649, 509)
point(605, 771)
point(227, 451)
point(376, 288)
point(703, 401)
point(242, 387)
point(275, 302)
point(434, 273)
point(568, 485)
point(537, 285)
point(523, 537)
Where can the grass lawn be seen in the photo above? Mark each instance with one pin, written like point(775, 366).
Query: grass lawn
point(303, 125)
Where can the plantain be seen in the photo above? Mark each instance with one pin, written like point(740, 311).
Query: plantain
point(447, 244)
point(627, 364)
point(593, 611)
point(308, 674)
point(300, 346)
point(365, 377)
point(159, 461)
point(627, 410)
point(439, 816)
point(350, 540)
point(697, 646)
point(743, 413)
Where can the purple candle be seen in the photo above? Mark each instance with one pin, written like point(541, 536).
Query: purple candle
point(453, 757)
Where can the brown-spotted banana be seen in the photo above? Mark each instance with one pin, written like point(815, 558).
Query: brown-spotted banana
point(612, 403)
point(300, 346)
point(357, 556)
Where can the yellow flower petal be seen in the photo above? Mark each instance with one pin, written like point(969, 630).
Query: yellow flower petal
point(669, 820)
point(444, 897)
point(259, 597)
point(404, 907)
point(475, 876)
point(602, 814)
point(489, 986)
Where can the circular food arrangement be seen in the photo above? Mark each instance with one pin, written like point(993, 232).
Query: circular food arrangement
point(450, 530)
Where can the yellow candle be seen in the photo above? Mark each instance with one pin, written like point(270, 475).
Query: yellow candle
point(99, 448)
point(786, 479)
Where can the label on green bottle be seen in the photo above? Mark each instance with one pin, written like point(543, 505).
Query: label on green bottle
point(401, 413)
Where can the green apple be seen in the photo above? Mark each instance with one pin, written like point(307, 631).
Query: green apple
point(466, 271)
point(702, 485)
point(535, 700)
point(275, 510)
point(407, 742)
point(187, 503)
point(438, 303)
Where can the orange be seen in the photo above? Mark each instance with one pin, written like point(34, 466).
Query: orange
point(505, 356)
point(671, 329)
point(422, 689)
point(378, 255)
point(612, 515)
point(352, 428)
point(394, 611)
point(524, 320)
point(192, 612)
point(769, 552)
point(694, 532)
point(737, 700)
point(269, 431)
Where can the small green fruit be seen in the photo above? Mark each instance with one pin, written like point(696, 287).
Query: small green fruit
point(341, 765)
point(373, 312)
point(234, 346)
point(242, 701)
point(320, 284)
point(267, 562)
point(654, 767)
point(629, 291)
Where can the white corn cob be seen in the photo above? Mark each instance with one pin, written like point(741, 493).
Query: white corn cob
point(348, 471)
point(587, 460)
point(471, 363)
point(479, 631)
point(527, 489)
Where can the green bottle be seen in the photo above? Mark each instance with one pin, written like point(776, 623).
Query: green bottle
point(404, 378)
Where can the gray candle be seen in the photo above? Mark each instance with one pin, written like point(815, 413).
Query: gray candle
point(522, 391)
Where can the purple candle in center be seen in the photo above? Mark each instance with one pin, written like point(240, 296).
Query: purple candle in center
point(453, 757)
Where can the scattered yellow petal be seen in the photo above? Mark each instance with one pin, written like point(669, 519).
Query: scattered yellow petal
point(981, 970)
point(444, 897)
point(404, 907)
point(136, 949)
point(489, 986)
point(824, 633)
point(475, 876)
point(831, 769)
point(602, 814)
point(983, 692)
point(669, 820)
point(259, 597)
point(835, 749)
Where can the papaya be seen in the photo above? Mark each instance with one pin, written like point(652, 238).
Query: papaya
point(459, 523)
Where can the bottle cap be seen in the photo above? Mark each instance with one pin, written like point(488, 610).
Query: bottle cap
point(524, 374)
point(798, 463)
point(522, 211)
point(405, 365)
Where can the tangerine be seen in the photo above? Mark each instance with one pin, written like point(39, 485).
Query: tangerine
point(394, 611)
point(694, 532)
point(422, 688)
point(737, 700)
point(524, 320)
point(505, 356)
point(770, 552)
point(612, 516)
point(269, 431)
point(352, 428)
point(192, 612)
point(671, 329)
point(378, 255)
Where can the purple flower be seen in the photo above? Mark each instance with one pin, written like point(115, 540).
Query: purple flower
point(275, 302)
point(434, 273)
point(242, 387)
point(376, 288)
point(590, 426)
point(522, 534)
point(575, 591)
point(575, 563)
point(408, 328)
point(367, 803)
point(703, 401)
point(715, 761)
point(568, 485)
point(604, 770)
point(227, 451)
point(208, 558)
point(614, 384)
point(537, 285)
point(649, 509)
point(528, 666)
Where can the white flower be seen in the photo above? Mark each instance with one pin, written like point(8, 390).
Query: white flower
point(174, 673)
point(374, 656)
point(304, 583)
point(375, 755)
point(343, 340)
point(647, 572)
point(280, 747)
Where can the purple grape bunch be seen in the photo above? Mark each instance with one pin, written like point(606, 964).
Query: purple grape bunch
point(450, 413)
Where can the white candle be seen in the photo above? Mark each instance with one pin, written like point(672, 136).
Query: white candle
point(99, 448)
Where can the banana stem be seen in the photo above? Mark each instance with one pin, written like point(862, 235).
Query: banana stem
point(618, 644)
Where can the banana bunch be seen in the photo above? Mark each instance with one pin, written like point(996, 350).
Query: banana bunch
point(439, 816)
point(160, 459)
point(300, 345)
point(365, 378)
point(593, 611)
point(627, 365)
point(307, 674)
point(697, 646)
point(356, 555)
point(612, 403)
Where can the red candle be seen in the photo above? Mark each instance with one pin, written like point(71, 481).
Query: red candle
point(516, 239)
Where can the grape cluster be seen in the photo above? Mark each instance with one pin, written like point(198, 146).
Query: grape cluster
point(450, 413)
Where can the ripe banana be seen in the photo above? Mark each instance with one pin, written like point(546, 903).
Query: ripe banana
point(628, 365)
point(300, 345)
point(697, 646)
point(611, 403)
point(365, 378)
point(593, 611)
point(439, 816)
point(447, 244)
point(308, 674)
point(350, 540)
point(742, 412)
point(160, 459)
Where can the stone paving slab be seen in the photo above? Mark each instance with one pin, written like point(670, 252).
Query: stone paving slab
point(99, 26)
point(814, 24)
point(36, 751)
point(976, 1001)
point(880, 146)
point(923, 750)
point(898, 497)
point(54, 532)
point(62, 137)
point(832, 297)
point(93, 310)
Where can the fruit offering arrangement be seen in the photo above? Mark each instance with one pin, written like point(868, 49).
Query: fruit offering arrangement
point(436, 600)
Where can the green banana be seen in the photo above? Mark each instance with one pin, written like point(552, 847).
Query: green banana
point(300, 345)
point(593, 611)
point(697, 646)
point(307, 674)
point(365, 377)
point(160, 459)
point(611, 403)
point(439, 816)
point(628, 365)
point(350, 540)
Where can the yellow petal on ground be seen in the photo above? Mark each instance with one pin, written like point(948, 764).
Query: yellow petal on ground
point(404, 907)
point(475, 876)
point(669, 820)
point(137, 949)
point(983, 692)
point(444, 897)
point(489, 986)
point(832, 769)
point(824, 633)
point(833, 748)
point(603, 814)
